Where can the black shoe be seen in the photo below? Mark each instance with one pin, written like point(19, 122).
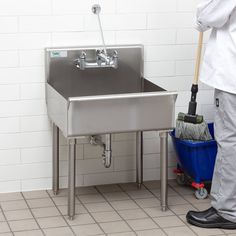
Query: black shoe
point(209, 219)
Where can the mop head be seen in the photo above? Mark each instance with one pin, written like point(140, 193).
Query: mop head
point(194, 132)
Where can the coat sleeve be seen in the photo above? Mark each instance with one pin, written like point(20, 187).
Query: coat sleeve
point(214, 13)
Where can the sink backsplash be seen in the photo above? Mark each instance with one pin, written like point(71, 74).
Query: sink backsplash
point(165, 28)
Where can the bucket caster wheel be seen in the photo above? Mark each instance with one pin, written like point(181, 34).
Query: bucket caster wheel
point(180, 176)
point(181, 179)
point(201, 193)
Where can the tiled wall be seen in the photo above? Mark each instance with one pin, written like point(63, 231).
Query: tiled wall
point(165, 27)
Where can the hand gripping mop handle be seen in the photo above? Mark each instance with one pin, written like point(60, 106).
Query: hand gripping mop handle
point(193, 104)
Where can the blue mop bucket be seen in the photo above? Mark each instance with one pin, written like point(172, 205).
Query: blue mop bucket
point(196, 158)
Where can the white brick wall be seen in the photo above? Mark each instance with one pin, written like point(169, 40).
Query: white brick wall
point(28, 26)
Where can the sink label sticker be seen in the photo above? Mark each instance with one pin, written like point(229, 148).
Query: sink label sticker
point(58, 54)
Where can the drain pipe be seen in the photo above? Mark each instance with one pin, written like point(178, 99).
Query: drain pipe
point(106, 156)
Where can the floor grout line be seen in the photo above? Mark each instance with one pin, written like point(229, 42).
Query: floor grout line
point(77, 196)
point(178, 215)
point(117, 211)
point(160, 202)
point(61, 214)
point(32, 213)
point(5, 219)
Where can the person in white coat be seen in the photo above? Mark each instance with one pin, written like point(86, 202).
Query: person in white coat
point(219, 71)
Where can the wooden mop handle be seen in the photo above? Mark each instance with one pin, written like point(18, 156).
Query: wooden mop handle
point(198, 59)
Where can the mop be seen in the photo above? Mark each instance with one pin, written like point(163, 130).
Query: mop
point(191, 126)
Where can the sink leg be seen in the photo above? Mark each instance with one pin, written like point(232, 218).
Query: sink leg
point(55, 164)
point(164, 169)
point(71, 179)
point(139, 158)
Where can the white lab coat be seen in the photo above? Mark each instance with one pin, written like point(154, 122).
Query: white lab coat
point(219, 64)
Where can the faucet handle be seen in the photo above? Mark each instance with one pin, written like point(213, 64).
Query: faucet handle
point(102, 57)
point(115, 59)
point(82, 55)
point(115, 54)
point(100, 52)
point(80, 62)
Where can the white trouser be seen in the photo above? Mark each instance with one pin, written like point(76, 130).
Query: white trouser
point(223, 190)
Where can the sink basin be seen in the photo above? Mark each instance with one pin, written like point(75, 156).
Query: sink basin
point(104, 100)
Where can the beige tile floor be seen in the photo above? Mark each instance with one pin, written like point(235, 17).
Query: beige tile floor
point(110, 210)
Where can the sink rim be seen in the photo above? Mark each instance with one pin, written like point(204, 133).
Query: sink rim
point(92, 47)
point(119, 96)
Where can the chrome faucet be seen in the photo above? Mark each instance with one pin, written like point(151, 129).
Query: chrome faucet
point(103, 59)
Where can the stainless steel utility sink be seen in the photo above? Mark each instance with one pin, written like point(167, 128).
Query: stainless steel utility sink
point(103, 100)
